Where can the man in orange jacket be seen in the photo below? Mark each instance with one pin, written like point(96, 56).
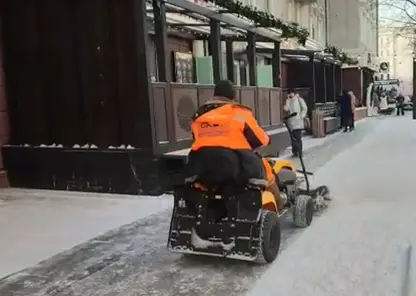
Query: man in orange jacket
point(225, 133)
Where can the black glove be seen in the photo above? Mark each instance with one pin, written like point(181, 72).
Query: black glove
point(290, 115)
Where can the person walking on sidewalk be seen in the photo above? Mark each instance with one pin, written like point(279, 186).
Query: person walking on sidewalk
point(347, 112)
point(400, 104)
point(376, 102)
point(295, 104)
point(354, 103)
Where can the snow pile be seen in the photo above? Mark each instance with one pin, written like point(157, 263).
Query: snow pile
point(75, 146)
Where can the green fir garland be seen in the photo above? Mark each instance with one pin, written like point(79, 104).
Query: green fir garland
point(340, 55)
point(264, 19)
point(289, 29)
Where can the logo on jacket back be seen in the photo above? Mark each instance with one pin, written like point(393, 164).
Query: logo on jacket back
point(209, 125)
point(209, 129)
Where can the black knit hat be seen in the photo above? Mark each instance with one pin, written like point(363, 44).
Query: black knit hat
point(224, 88)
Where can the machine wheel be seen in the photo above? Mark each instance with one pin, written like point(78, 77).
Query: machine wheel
point(321, 198)
point(303, 210)
point(270, 235)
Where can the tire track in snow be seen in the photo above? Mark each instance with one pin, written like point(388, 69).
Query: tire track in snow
point(133, 260)
point(318, 156)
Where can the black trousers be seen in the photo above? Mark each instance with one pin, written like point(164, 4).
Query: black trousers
point(297, 146)
point(348, 122)
point(219, 165)
point(400, 109)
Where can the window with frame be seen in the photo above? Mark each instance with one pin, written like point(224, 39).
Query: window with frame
point(268, 6)
point(298, 13)
point(292, 11)
point(261, 4)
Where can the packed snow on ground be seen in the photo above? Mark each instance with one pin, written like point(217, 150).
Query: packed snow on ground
point(37, 224)
point(355, 247)
point(351, 249)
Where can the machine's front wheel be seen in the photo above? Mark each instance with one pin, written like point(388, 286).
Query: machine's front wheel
point(270, 235)
point(303, 210)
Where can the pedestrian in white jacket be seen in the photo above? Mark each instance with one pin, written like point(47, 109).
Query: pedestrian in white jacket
point(295, 104)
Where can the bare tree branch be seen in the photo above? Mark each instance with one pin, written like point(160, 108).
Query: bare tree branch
point(399, 11)
point(401, 15)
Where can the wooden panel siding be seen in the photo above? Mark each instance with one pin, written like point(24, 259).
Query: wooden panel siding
point(4, 117)
point(74, 73)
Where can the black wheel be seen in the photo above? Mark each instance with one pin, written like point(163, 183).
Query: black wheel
point(303, 210)
point(270, 235)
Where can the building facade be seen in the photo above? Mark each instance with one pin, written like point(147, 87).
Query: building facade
point(310, 14)
point(353, 26)
point(396, 48)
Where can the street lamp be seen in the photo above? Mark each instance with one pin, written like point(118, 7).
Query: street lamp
point(414, 76)
point(414, 87)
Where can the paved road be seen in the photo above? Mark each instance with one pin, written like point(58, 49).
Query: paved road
point(134, 261)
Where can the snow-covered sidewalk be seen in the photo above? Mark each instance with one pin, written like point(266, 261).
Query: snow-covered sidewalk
point(310, 142)
point(37, 224)
point(353, 248)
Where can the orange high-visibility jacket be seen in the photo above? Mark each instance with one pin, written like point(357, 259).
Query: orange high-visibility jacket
point(226, 124)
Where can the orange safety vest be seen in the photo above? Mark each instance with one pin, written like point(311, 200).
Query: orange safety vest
point(226, 124)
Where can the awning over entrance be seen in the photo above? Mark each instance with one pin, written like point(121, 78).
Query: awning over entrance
point(212, 23)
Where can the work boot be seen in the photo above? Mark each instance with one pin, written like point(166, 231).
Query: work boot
point(281, 199)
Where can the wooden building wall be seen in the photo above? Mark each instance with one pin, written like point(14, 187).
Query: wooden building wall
point(74, 72)
point(352, 80)
point(284, 72)
point(4, 119)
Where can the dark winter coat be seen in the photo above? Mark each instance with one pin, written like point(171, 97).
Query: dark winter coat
point(345, 106)
point(400, 100)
